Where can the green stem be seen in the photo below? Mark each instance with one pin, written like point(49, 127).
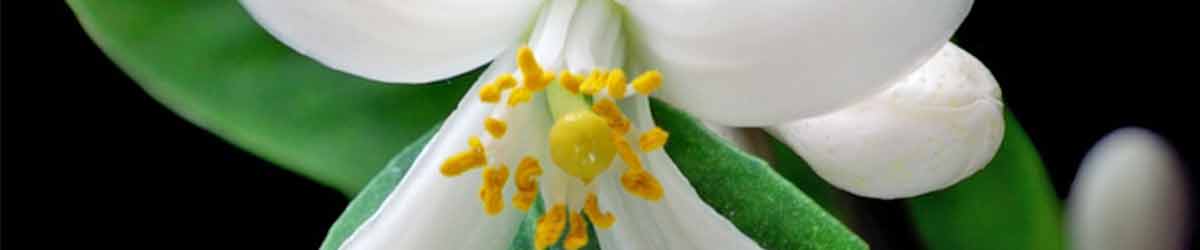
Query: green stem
point(563, 102)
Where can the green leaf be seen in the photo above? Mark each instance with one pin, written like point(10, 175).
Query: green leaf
point(761, 203)
point(208, 61)
point(1010, 204)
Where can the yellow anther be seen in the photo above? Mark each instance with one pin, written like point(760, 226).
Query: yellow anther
point(616, 83)
point(495, 127)
point(526, 181)
point(550, 226)
point(593, 83)
point(535, 78)
point(616, 120)
point(492, 191)
point(471, 158)
point(519, 95)
point(579, 144)
point(591, 207)
point(648, 82)
point(640, 183)
point(653, 139)
point(626, 152)
point(570, 81)
point(489, 93)
point(505, 81)
point(577, 237)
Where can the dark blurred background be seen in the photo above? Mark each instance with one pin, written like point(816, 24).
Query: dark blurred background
point(90, 160)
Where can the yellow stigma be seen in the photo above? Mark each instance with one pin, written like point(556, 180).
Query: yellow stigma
point(492, 191)
point(653, 139)
point(526, 181)
point(579, 144)
point(550, 226)
point(648, 82)
point(577, 237)
point(616, 83)
point(471, 158)
point(591, 207)
point(495, 127)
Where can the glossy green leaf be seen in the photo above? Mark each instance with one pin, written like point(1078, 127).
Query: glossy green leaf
point(741, 187)
point(761, 203)
point(208, 61)
point(1010, 204)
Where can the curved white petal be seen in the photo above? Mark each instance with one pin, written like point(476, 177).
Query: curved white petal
point(1130, 193)
point(939, 125)
point(680, 220)
point(430, 211)
point(397, 41)
point(763, 62)
point(596, 39)
point(750, 140)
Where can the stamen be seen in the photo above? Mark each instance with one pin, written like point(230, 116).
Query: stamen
point(550, 226)
point(492, 191)
point(593, 83)
point(495, 127)
point(577, 237)
point(616, 83)
point(616, 120)
point(653, 139)
point(648, 82)
point(489, 93)
point(471, 158)
point(570, 81)
point(505, 81)
point(635, 179)
point(535, 78)
point(591, 207)
point(519, 95)
point(526, 181)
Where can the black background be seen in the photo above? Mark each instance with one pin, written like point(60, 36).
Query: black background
point(90, 160)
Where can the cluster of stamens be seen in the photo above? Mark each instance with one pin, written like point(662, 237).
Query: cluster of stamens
point(582, 142)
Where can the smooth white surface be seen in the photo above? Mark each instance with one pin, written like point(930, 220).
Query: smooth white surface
point(412, 41)
point(680, 220)
point(1129, 193)
point(764, 62)
point(936, 127)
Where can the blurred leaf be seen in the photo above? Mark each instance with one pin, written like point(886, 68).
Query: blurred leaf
point(761, 203)
point(1010, 204)
point(208, 61)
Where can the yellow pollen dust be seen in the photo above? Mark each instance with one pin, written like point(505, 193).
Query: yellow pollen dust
point(648, 82)
point(570, 81)
point(492, 191)
point(616, 83)
point(591, 207)
point(526, 181)
point(471, 158)
point(550, 226)
point(653, 139)
point(495, 127)
point(577, 237)
point(579, 144)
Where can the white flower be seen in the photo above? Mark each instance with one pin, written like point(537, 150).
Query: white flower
point(1130, 193)
point(736, 63)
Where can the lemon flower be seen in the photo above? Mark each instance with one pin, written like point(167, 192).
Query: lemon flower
point(562, 110)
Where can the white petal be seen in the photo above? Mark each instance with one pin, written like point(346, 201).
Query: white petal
point(763, 62)
point(680, 220)
point(596, 39)
point(397, 41)
point(750, 140)
point(939, 125)
point(1130, 193)
point(430, 211)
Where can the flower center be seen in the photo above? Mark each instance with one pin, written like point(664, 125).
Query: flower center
point(580, 144)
